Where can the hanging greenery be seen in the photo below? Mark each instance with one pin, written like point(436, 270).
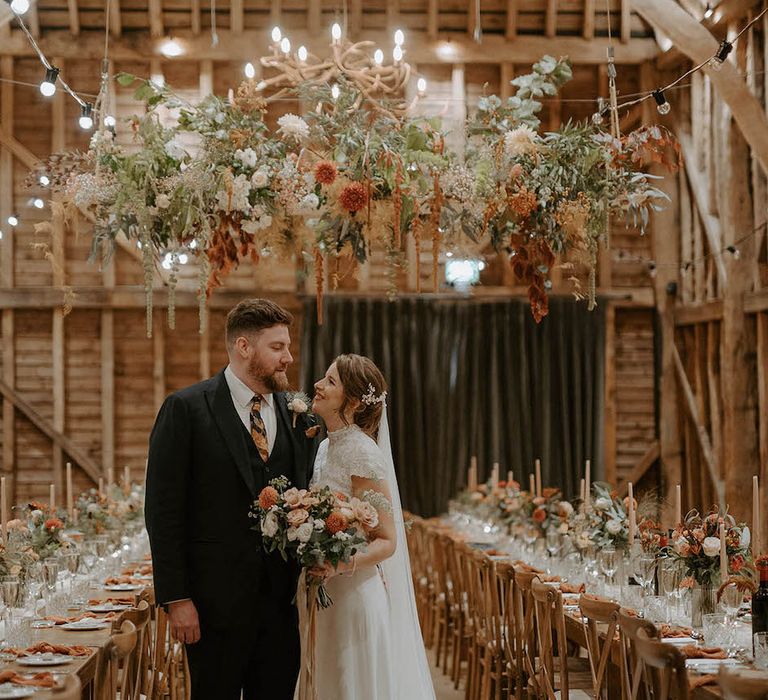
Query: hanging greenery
point(220, 186)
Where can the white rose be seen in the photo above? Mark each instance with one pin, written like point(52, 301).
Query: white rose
point(247, 157)
point(613, 527)
point(602, 503)
point(173, 150)
point(320, 524)
point(566, 508)
point(297, 406)
point(563, 528)
point(92, 508)
point(37, 515)
point(711, 546)
point(269, 525)
point(292, 534)
point(342, 536)
point(163, 201)
point(745, 539)
point(260, 179)
point(304, 532)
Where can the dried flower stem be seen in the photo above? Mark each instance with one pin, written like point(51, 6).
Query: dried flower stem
point(434, 221)
point(416, 233)
point(319, 281)
point(398, 203)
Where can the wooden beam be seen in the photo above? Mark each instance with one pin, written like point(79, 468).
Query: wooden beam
point(507, 73)
point(649, 458)
point(314, 16)
point(7, 268)
point(276, 16)
point(115, 18)
point(107, 384)
point(205, 351)
point(46, 427)
point(700, 313)
point(432, 19)
point(762, 397)
point(73, 13)
point(393, 15)
point(700, 191)
point(32, 20)
point(705, 445)
point(9, 141)
point(451, 48)
point(550, 19)
point(237, 16)
point(699, 45)
point(194, 19)
point(609, 401)
point(626, 21)
point(588, 28)
point(206, 78)
point(511, 28)
point(356, 18)
point(156, 26)
point(755, 302)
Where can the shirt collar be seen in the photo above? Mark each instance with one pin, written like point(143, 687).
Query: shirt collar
point(241, 394)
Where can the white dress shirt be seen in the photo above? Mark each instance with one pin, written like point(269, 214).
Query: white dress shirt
point(242, 397)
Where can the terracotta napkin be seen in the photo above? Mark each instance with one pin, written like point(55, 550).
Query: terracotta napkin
point(672, 632)
point(631, 612)
point(526, 567)
point(599, 599)
point(698, 681)
point(117, 580)
point(39, 680)
point(549, 579)
point(691, 651)
point(48, 648)
point(143, 570)
point(76, 618)
point(572, 588)
point(114, 601)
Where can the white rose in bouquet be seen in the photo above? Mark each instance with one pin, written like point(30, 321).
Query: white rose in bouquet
point(613, 527)
point(711, 546)
point(602, 503)
point(247, 157)
point(269, 525)
point(304, 532)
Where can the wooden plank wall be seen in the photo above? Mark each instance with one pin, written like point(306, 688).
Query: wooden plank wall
point(113, 377)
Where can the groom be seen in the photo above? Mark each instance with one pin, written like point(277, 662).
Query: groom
point(214, 446)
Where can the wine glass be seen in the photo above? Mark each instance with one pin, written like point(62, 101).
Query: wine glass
point(731, 599)
point(11, 591)
point(50, 573)
point(609, 562)
point(554, 543)
point(643, 569)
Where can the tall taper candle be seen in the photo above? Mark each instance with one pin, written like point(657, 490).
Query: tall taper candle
point(472, 476)
point(532, 479)
point(587, 484)
point(110, 478)
point(756, 534)
point(678, 505)
point(4, 508)
point(127, 479)
point(495, 476)
point(723, 555)
point(538, 477)
point(631, 510)
point(510, 478)
point(70, 505)
point(581, 490)
point(101, 484)
point(52, 498)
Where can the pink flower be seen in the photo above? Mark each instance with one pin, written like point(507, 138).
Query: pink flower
point(365, 513)
point(297, 517)
point(699, 534)
point(292, 497)
point(538, 501)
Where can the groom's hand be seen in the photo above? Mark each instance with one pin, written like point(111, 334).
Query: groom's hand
point(185, 625)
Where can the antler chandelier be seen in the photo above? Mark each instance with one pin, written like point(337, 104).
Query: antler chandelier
point(360, 64)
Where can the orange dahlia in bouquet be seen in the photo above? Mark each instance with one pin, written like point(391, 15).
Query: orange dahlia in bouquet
point(312, 527)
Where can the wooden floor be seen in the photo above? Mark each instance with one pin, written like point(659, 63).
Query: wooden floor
point(444, 689)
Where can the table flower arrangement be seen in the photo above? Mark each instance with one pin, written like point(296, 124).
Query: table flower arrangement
point(602, 522)
point(96, 513)
point(549, 511)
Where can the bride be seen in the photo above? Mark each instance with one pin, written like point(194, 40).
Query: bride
point(368, 643)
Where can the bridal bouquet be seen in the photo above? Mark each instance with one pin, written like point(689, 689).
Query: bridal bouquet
point(313, 527)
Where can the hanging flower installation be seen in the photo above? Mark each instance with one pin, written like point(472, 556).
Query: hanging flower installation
point(350, 174)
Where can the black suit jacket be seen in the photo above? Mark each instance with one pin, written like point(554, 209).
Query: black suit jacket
point(199, 490)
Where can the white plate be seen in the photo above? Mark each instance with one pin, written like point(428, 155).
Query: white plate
point(679, 640)
point(44, 660)
point(122, 587)
point(9, 690)
point(108, 608)
point(709, 665)
point(85, 625)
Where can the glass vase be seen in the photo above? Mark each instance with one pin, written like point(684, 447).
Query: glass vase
point(703, 602)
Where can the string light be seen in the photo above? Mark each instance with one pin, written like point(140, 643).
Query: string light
point(336, 31)
point(20, 7)
point(397, 53)
point(708, 12)
point(249, 70)
point(183, 258)
point(44, 180)
point(378, 57)
point(13, 220)
point(716, 62)
point(303, 53)
point(38, 203)
point(662, 106)
point(86, 116)
point(421, 86)
point(734, 251)
point(48, 86)
point(276, 35)
point(335, 92)
point(171, 49)
point(399, 37)
point(285, 45)
point(110, 122)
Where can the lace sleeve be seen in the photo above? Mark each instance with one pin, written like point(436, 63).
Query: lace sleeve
point(367, 462)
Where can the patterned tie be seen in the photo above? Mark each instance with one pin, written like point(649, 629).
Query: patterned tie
point(258, 431)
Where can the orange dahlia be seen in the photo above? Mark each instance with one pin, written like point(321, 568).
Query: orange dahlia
point(53, 524)
point(268, 497)
point(539, 515)
point(354, 197)
point(336, 522)
point(325, 172)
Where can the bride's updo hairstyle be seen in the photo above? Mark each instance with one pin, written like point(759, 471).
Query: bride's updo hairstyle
point(358, 375)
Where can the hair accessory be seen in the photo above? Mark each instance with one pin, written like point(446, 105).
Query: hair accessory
point(370, 398)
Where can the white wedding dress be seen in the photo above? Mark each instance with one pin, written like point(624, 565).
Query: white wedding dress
point(368, 644)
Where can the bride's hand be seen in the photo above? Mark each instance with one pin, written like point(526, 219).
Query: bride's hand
point(324, 572)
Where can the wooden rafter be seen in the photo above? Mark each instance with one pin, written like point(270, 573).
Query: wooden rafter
point(699, 45)
point(649, 458)
point(588, 30)
point(237, 17)
point(18, 149)
point(194, 19)
point(626, 21)
point(155, 9)
point(419, 47)
point(511, 29)
point(432, 19)
point(115, 18)
point(550, 19)
point(355, 19)
point(314, 16)
point(73, 14)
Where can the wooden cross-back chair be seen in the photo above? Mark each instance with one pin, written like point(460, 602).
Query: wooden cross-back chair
point(114, 653)
point(743, 685)
point(525, 628)
point(462, 627)
point(512, 652)
point(442, 619)
point(170, 671)
point(562, 675)
point(475, 563)
point(493, 658)
point(135, 669)
point(666, 664)
point(595, 613)
point(634, 676)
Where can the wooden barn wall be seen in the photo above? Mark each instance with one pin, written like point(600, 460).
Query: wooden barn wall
point(110, 378)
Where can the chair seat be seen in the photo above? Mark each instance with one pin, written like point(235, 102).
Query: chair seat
point(579, 673)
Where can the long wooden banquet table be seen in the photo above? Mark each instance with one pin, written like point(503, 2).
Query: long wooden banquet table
point(575, 631)
point(84, 666)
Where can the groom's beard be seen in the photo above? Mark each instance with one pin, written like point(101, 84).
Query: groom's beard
point(274, 380)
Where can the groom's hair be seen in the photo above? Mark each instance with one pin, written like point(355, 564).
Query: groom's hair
point(254, 315)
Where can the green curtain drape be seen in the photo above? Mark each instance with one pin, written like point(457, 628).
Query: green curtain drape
point(473, 377)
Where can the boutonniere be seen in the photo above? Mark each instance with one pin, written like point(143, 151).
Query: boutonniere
point(298, 403)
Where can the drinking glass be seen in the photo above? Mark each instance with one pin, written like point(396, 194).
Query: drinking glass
point(11, 591)
point(760, 647)
point(644, 569)
point(102, 546)
point(553, 542)
point(50, 573)
point(656, 609)
point(609, 562)
point(715, 630)
point(731, 599)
